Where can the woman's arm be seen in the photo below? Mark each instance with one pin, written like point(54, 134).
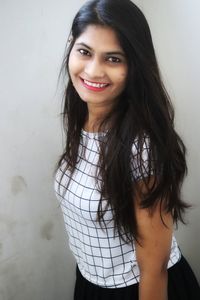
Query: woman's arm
point(153, 250)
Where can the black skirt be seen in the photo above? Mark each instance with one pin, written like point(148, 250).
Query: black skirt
point(182, 285)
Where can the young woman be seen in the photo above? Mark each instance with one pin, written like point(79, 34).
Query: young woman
point(120, 175)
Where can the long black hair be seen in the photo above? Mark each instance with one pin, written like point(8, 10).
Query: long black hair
point(143, 113)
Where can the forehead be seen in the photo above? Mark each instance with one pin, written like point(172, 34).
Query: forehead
point(102, 37)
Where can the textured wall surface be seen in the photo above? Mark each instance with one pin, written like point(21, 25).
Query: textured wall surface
point(35, 262)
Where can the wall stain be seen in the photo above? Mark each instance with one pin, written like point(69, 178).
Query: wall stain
point(18, 185)
point(7, 224)
point(46, 230)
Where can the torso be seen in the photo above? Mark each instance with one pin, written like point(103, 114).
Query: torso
point(103, 259)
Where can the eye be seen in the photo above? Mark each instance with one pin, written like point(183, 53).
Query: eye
point(114, 59)
point(83, 52)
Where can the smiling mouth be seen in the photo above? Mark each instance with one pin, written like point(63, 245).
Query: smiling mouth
point(95, 86)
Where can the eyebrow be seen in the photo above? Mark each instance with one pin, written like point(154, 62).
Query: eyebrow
point(108, 53)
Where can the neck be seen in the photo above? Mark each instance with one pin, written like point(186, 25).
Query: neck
point(92, 123)
point(94, 118)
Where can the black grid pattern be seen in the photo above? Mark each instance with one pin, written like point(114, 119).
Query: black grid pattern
point(103, 259)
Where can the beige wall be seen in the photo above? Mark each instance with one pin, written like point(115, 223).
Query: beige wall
point(35, 262)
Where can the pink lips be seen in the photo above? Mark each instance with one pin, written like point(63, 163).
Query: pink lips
point(93, 88)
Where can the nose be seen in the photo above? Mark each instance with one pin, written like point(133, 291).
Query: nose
point(94, 69)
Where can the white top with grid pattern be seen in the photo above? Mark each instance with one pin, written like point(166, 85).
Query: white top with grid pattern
point(102, 259)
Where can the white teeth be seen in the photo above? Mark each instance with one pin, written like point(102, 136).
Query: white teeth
point(97, 85)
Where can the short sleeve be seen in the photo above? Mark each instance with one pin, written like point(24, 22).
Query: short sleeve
point(141, 160)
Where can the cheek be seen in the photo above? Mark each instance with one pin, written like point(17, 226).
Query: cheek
point(73, 65)
point(121, 79)
point(70, 67)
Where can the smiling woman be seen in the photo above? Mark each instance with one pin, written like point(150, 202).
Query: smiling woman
point(120, 176)
point(98, 69)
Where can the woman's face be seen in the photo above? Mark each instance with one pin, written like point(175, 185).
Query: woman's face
point(98, 66)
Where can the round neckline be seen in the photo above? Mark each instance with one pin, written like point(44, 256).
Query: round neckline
point(92, 134)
